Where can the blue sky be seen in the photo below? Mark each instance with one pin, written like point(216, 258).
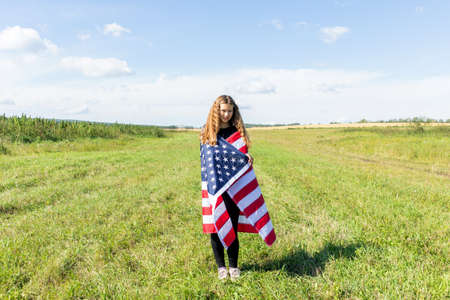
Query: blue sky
point(165, 62)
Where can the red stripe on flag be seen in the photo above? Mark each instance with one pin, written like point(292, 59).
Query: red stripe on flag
point(209, 228)
point(270, 238)
point(234, 137)
point(204, 194)
point(207, 210)
point(222, 220)
point(243, 149)
point(219, 200)
point(246, 228)
point(245, 190)
point(229, 238)
point(254, 206)
point(263, 221)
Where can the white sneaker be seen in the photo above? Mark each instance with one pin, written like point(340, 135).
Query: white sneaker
point(234, 273)
point(222, 273)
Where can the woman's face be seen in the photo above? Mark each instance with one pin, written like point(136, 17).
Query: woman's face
point(225, 112)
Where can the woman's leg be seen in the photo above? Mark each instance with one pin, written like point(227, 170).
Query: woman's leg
point(218, 250)
point(233, 212)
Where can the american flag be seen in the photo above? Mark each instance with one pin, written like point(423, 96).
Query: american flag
point(225, 168)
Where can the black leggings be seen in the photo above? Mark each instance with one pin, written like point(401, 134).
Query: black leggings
point(233, 250)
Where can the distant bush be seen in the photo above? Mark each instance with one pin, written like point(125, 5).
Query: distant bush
point(417, 128)
point(27, 130)
point(414, 129)
point(250, 125)
point(409, 120)
point(400, 120)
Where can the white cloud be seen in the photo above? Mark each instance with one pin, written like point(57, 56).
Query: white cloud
point(268, 95)
point(252, 86)
point(99, 67)
point(332, 34)
point(8, 69)
point(419, 9)
point(7, 101)
point(277, 24)
point(328, 88)
point(25, 55)
point(83, 36)
point(80, 110)
point(21, 39)
point(115, 29)
point(22, 68)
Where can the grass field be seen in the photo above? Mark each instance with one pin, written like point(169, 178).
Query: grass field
point(359, 213)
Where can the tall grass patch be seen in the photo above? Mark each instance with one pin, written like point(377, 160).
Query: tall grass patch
point(25, 129)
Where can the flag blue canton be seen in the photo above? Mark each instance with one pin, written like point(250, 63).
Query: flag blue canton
point(220, 163)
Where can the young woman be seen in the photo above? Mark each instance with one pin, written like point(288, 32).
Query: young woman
point(224, 120)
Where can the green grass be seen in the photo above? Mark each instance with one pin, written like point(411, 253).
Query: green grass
point(356, 216)
point(27, 130)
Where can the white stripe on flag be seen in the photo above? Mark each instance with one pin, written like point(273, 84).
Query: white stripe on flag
point(266, 230)
point(258, 214)
point(205, 202)
point(247, 200)
point(239, 143)
point(212, 200)
point(243, 220)
point(242, 182)
point(220, 209)
point(225, 229)
point(204, 185)
point(208, 219)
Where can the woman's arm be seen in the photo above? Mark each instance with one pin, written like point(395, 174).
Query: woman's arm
point(250, 159)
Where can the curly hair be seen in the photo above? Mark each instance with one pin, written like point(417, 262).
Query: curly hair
point(211, 128)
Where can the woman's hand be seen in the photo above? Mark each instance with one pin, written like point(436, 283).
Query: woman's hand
point(250, 159)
